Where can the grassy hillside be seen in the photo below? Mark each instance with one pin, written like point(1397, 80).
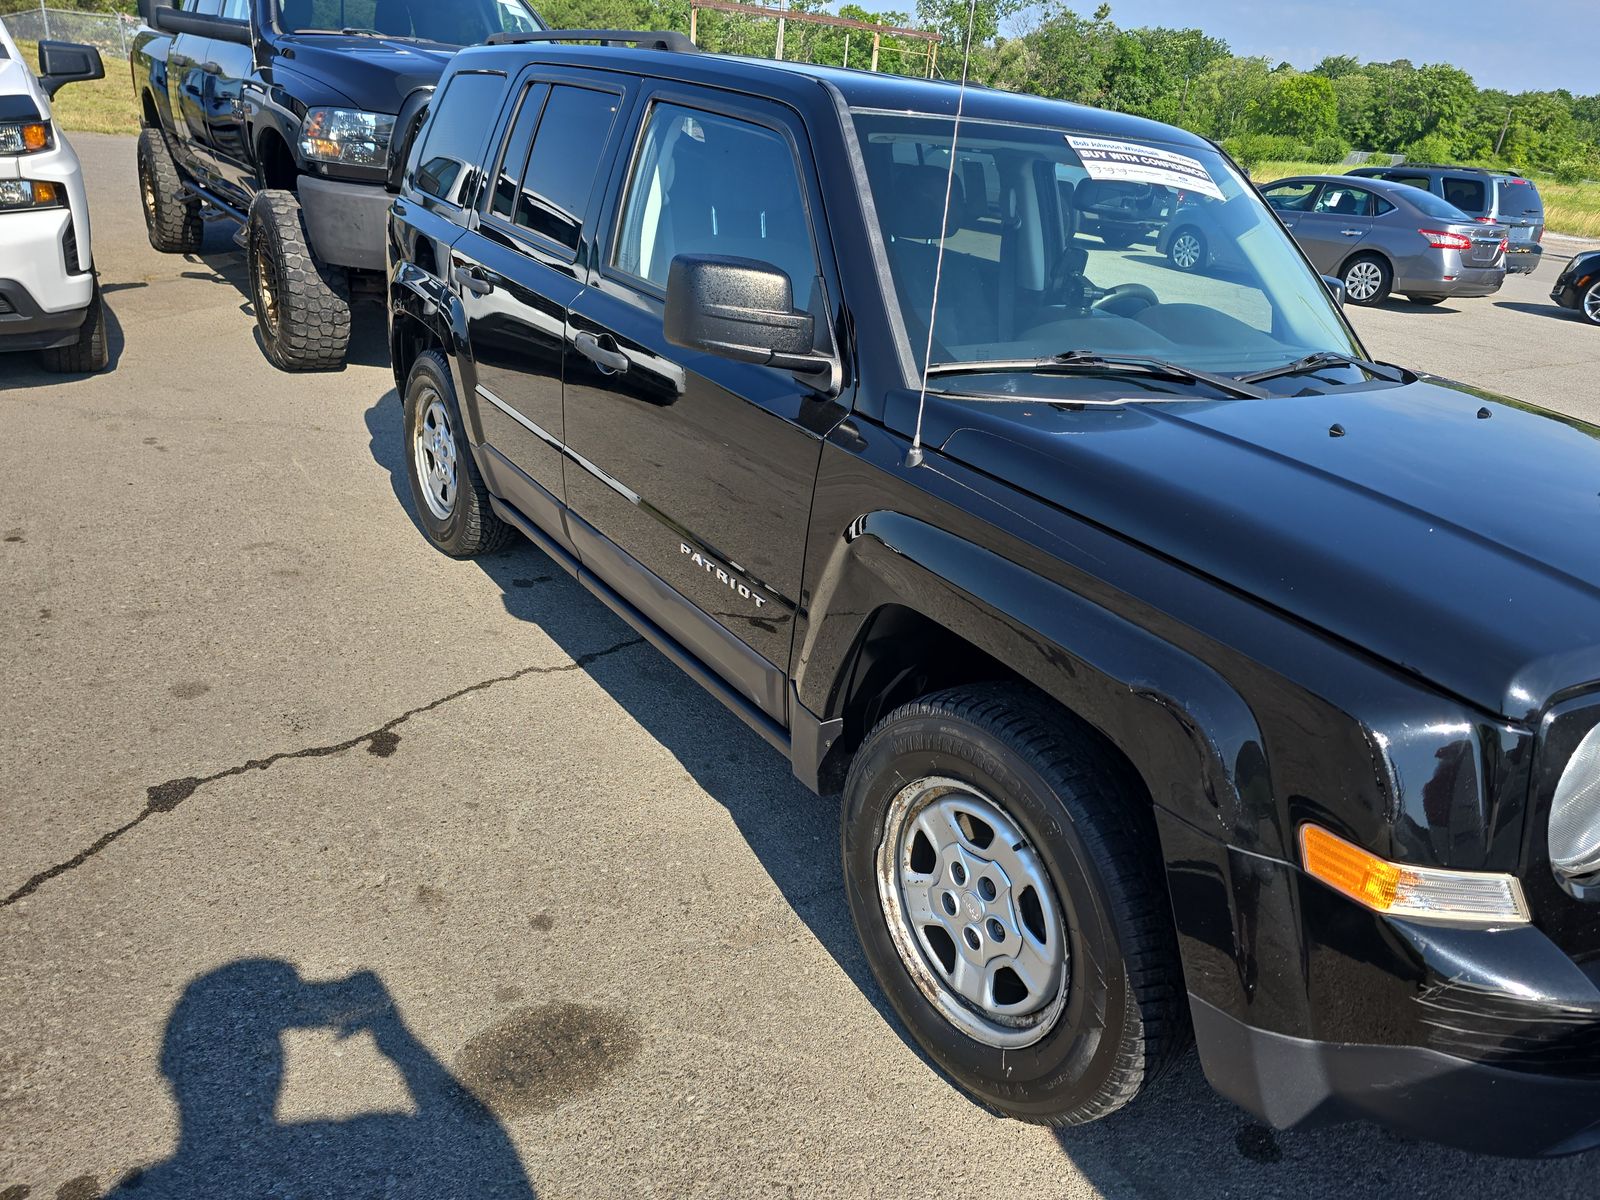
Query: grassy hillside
point(1572, 208)
point(100, 106)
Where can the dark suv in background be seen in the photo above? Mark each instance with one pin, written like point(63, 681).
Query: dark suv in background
point(1492, 197)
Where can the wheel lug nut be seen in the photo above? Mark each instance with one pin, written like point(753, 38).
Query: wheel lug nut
point(997, 931)
point(948, 903)
point(972, 938)
point(986, 889)
point(958, 873)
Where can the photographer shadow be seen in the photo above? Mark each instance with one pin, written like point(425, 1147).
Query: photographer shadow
point(223, 1055)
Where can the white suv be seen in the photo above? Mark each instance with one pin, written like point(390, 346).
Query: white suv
point(49, 297)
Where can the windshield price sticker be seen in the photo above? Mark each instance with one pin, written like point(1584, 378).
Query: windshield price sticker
point(1105, 158)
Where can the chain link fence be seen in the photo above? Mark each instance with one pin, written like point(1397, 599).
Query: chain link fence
point(112, 33)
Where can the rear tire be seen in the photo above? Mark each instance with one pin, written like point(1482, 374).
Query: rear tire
point(89, 353)
point(172, 222)
point(1118, 237)
point(1091, 1023)
point(451, 498)
point(302, 305)
point(1367, 280)
point(1187, 249)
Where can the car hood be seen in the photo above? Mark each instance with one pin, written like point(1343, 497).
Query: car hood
point(1454, 534)
point(377, 74)
point(20, 100)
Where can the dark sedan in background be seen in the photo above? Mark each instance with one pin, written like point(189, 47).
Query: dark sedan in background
point(1579, 286)
point(1380, 237)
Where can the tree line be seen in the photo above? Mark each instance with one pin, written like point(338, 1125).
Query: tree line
point(1258, 110)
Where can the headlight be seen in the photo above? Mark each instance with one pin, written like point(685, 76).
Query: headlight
point(26, 138)
point(28, 193)
point(343, 135)
point(1575, 812)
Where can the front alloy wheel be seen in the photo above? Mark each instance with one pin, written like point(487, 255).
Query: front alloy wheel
point(1366, 281)
point(971, 910)
point(1590, 306)
point(1187, 251)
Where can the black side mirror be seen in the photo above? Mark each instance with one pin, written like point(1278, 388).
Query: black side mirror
point(741, 309)
point(61, 63)
point(159, 14)
point(1336, 286)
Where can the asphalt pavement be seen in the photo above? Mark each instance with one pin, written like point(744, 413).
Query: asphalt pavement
point(336, 867)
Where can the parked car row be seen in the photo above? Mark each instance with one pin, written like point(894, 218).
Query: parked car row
point(1136, 615)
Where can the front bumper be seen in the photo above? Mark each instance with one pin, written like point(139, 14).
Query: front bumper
point(25, 325)
point(1310, 1009)
point(347, 222)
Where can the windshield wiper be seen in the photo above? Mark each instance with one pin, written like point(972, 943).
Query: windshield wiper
point(1326, 358)
point(360, 31)
point(1090, 361)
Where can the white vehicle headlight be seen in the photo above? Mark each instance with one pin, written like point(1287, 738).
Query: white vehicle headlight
point(24, 137)
point(28, 193)
point(1575, 812)
point(343, 135)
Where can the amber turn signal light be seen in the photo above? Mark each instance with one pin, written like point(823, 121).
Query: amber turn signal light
point(1400, 890)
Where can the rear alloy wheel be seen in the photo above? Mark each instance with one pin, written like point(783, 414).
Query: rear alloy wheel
point(1001, 869)
point(451, 497)
point(302, 305)
point(1367, 280)
point(1589, 306)
point(1187, 250)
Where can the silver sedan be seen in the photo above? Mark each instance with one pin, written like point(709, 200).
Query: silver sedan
point(1377, 237)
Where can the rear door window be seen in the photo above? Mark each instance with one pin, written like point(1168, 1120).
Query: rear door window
point(1467, 194)
point(1345, 201)
point(571, 139)
point(1518, 198)
point(447, 163)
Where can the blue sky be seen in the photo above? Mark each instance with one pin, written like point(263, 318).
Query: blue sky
point(1517, 45)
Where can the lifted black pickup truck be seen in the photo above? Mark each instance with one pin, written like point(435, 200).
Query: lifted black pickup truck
point(277, 115)
point(1181, 668)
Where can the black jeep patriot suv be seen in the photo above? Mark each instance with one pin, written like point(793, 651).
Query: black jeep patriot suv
point(1180, 668)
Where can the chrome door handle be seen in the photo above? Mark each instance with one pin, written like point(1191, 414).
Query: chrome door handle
point(603, 354)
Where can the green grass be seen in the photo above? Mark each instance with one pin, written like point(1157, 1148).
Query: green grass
point(1571, 208)
point(99, 106)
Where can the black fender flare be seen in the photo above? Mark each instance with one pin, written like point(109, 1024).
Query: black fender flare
point(1191, 736)
point(421, 297)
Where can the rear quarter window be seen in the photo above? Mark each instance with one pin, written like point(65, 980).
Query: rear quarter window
point(1469, 195)
point(447, 165)
point(1518, 197)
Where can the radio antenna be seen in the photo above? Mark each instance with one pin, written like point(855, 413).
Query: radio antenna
point(914, 455)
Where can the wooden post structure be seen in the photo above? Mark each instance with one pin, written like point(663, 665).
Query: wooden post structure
point(783, 14)
point(933, 57)
point(877, 39)
point(779, 54)
point(694, 24)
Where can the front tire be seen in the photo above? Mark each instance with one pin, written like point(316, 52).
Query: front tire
point(302, 305)
point(90, 353)
point(1367, 280)
point(1589, 304)
point(1042, 973)
point(1118, 237)
point(451, 498)
point(172, 222)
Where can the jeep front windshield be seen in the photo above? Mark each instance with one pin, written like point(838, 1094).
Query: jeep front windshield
point(1058, 242)
point(457, 23)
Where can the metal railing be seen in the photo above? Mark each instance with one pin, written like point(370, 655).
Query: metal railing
point(112, 33)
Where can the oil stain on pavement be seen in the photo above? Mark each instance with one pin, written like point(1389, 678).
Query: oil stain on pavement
point(537, 1058)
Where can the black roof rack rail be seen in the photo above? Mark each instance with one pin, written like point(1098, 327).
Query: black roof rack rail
point(644, 39)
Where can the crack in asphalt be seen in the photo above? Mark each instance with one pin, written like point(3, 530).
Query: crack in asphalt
point(383, 741)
